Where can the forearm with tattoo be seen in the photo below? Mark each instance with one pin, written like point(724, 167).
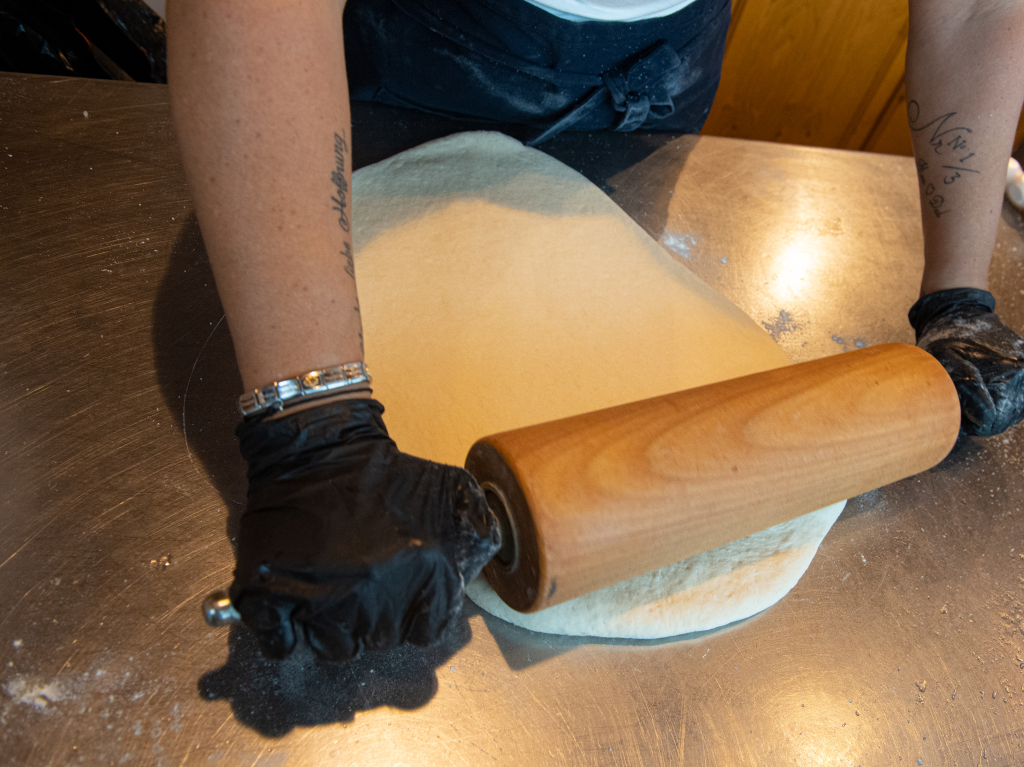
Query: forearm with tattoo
point(950, 159)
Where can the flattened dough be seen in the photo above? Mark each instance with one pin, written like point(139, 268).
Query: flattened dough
point(702, 592)
point(498, 289)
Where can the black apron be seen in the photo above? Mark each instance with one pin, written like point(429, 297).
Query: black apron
point(510, 62)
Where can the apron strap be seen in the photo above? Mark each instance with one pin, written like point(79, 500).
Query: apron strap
point(637, 87)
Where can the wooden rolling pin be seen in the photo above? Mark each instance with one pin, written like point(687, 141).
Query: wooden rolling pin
point(591, 500)
point(597, 498)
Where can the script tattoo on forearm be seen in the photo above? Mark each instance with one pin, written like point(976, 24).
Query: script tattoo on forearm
point(361, 347)
point(951, 143)
point(350, 264)
point(340, 184)
point(350, 270)
point(340, 205)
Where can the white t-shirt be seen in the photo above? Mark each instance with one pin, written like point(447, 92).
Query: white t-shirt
point(610, 10)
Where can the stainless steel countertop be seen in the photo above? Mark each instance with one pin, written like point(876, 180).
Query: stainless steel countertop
point(119, 478)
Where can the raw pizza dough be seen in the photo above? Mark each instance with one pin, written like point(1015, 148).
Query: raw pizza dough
point(498, 289)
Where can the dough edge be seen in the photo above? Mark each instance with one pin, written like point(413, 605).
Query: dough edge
point(703, 592)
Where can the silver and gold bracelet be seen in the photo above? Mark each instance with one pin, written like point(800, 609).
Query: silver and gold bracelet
point(310, 386)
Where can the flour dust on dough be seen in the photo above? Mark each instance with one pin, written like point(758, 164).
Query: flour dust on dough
point(498, 289)
point(701, 592)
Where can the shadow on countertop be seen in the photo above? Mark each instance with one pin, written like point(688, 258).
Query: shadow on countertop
point(196, 370)
point(273, 697)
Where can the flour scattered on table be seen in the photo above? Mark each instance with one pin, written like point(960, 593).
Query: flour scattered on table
point(683, 244)
point(34, 693)
point(784, 323)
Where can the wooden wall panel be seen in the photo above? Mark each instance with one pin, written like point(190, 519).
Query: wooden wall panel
point(817, 72)
point(891, 132)
point(883, 96)
point(811, 72)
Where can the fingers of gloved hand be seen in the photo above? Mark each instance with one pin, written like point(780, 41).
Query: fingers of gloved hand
point(448, 505)
point(334, 635)
point(989, 379)
point(369, 544)
point(270, 618)
point(976, 405)
point(412, 598)
point(357, 585)
point(984, 358)
point(477, 536)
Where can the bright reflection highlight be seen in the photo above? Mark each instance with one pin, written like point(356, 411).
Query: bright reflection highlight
point(793, 264)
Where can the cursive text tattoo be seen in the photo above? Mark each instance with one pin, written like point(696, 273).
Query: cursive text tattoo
point(951, 142)
point(361, 347)
point(340, 184)
point(340, 200)
point(350, 264)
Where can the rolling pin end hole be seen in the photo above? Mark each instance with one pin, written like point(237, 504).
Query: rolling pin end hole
point(508, 554)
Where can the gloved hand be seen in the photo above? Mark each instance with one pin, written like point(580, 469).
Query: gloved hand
point(349, 542)
point(984, 358)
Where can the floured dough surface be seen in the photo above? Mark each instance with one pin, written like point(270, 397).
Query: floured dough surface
point(499, 289)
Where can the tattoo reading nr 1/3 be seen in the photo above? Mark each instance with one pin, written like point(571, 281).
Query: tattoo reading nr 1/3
point(951, 143)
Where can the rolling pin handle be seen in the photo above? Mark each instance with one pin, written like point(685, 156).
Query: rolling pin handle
point(218, 610)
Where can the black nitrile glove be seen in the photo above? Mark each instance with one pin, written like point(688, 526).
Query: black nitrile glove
point(984, 358)
point(349, 543)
